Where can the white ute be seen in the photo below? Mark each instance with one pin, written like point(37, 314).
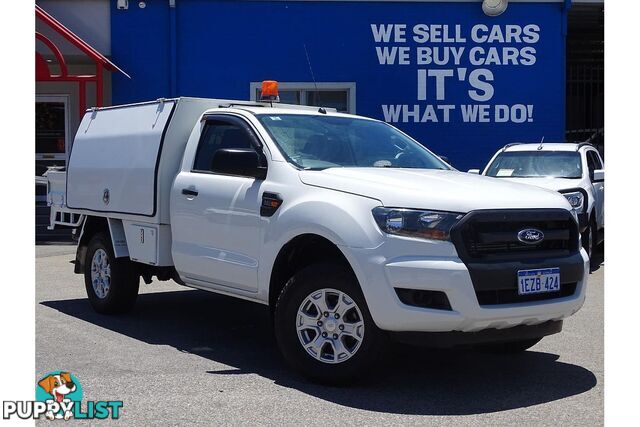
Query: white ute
point(575, 170)
point(354, 234)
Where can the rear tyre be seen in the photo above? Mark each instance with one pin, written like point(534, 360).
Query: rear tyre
point(111, 283)
point(511, 347)
point(323, 327)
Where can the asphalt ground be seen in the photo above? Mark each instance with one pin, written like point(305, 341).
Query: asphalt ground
point(192, 357)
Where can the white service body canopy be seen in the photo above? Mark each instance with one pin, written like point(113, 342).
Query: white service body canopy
point(112, 166)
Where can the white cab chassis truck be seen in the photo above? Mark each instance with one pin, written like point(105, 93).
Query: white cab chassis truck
point(355, 235)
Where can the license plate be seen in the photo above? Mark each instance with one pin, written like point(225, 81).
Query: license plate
point(538, 281)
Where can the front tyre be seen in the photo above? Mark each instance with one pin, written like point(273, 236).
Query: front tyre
point(111, 283)
point(323, 326)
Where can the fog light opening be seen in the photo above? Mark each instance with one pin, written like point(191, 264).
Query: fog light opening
point(436, 300)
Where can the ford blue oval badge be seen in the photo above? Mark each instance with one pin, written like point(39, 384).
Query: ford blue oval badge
point(530, 236)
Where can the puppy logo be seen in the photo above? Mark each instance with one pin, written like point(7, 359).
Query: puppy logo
point(58, 386)
point(59, 390)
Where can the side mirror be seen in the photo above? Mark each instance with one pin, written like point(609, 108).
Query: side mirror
point(474, 171)
point(239, 161)
point(598, 175)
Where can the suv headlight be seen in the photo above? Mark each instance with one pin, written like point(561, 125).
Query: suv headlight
point(576, 200)
point(433, 225)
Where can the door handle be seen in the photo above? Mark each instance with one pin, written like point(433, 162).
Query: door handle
point(189, 192)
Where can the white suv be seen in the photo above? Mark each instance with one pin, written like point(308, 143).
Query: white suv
point(574, 169)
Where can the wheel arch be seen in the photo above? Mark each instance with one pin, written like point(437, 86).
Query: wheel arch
point(96, 224)
point(300, 252)
point(593, 216)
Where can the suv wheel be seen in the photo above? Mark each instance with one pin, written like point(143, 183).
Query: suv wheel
point(111, 283)
point(323, 326)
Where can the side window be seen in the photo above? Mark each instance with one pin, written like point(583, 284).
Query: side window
point(217, 135)
point(597, 163)
point(590, 163)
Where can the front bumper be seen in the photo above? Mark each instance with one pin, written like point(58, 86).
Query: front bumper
point(436, 266)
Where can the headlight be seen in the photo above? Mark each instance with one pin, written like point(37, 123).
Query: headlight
point(416, 223)
point(576, 200)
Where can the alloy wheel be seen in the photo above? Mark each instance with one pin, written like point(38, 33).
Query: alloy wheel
point(100, 273)
point(330, 325)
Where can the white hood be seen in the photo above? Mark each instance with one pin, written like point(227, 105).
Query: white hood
point(434, 189)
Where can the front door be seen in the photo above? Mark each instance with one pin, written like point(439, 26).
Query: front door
point(52, 134)
point(52, 131)
point(594, 162)
point(217, 231)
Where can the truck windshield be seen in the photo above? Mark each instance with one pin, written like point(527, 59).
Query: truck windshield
point(320, 142)
point(536, 164)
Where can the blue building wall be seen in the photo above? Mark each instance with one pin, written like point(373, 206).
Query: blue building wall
point(216, 48)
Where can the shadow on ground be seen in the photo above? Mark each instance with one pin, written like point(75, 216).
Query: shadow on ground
point(410, 380)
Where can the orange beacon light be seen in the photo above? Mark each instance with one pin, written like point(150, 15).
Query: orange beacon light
point(269, 91)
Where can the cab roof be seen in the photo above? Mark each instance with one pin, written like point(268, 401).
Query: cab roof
point(282, 109)
point(544, 146)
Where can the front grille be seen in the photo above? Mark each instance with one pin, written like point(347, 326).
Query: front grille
point(511, 296)
point(493, 235)
point(487, 242)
